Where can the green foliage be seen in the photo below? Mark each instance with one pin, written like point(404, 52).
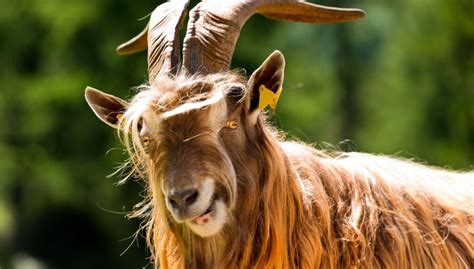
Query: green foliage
point(401, 82)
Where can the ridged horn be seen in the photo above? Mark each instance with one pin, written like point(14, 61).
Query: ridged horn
point(214, 27)
point(161, 37)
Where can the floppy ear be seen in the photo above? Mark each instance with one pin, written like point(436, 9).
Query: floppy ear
point(266, 83)
point(106, 107)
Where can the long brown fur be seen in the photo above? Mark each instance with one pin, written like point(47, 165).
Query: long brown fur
point(295, 206)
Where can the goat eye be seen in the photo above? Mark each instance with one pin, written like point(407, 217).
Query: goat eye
point(146, 140)
point(232, 124)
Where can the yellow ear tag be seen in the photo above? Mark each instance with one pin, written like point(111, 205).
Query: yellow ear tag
point(275, 99)
point(119, 116)
point(267, 97)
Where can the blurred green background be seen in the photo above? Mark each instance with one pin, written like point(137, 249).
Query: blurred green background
point(399, 82)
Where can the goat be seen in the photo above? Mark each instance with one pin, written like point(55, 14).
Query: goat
point(227, 191)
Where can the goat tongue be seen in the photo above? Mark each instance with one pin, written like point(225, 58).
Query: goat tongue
point(203, 219)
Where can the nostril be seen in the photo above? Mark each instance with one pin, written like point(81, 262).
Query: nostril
point(182, 199)
point(192, 198)
point(173, 203)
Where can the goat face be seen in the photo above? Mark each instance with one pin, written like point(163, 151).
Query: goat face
point(190, 135)
point(190, 150)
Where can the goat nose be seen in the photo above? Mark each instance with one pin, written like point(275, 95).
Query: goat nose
point(183, 198)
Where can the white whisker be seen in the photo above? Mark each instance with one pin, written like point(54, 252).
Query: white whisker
point(195, 136)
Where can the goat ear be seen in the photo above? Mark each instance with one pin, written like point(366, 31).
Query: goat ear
point(266, 80)
point(106, 107)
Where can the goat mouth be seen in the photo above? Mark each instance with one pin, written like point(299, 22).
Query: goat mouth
point(206, 216)
point(211, 221)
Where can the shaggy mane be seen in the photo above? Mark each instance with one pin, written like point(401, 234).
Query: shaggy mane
point(298, 207)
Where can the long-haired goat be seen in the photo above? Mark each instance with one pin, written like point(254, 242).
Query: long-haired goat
point(226, 191)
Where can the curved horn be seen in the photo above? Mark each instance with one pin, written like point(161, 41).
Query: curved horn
point(214, 26)
point(162, 39)
point(136, 44)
